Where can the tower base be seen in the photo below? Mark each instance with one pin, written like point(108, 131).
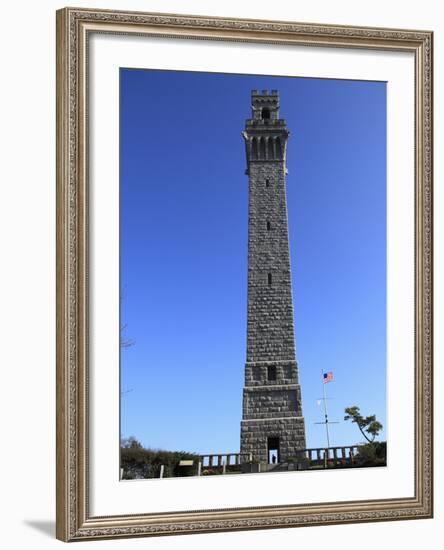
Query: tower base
point(262, 439)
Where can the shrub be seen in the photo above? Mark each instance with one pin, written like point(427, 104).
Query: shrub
point(142, 463)
point(372, 454)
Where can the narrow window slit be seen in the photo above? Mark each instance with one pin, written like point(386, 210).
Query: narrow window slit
point(269, 279)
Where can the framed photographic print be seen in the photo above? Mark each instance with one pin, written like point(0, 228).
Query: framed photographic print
point(244, 274)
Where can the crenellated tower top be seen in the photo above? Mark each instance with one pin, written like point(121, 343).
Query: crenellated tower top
point(265, 133)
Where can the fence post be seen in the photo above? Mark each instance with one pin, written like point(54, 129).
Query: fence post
point(161, 471)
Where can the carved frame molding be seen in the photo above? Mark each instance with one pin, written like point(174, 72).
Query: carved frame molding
point(73, 520)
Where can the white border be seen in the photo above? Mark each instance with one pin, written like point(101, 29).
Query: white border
point(109, 496)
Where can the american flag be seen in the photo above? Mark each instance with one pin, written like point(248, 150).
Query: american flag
point(327, 377)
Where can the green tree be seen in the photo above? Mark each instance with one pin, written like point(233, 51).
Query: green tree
point(368, 425)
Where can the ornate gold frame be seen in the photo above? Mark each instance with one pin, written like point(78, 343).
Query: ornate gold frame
point(73, 519)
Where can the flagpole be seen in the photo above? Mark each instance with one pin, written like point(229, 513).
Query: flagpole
point(325, 410)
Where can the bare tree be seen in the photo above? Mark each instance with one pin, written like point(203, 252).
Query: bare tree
point(125, 342)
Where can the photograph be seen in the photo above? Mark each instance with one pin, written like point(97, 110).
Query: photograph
point(244, 273)
point(253, 274)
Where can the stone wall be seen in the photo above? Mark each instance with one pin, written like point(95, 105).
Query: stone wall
point(270, 331)
point(272, 400)
point(255, 434)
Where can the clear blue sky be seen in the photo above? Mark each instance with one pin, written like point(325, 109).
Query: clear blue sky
point(184, 251)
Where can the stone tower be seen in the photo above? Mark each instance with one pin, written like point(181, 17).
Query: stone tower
point(272, 421)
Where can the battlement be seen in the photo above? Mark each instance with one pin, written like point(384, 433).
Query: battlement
point(265, 105)
point(255, 93)
point(261, 122)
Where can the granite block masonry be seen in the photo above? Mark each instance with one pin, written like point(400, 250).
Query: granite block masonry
point(272, 422)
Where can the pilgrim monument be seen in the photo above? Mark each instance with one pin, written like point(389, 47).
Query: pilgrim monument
point(272, 426)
